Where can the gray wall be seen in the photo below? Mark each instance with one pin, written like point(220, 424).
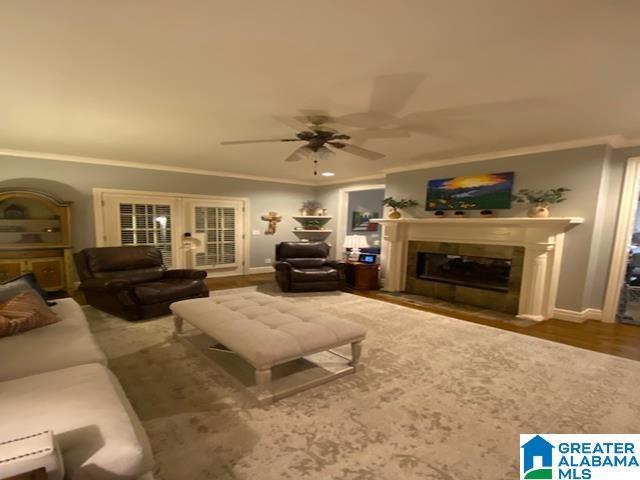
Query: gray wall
point(365, 201)
point(581, 170)
point(75, 181)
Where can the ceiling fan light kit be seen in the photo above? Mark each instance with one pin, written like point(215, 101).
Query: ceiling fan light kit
point(321, 141)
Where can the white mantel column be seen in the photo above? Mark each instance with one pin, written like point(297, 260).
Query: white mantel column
point(394, 256)
point(534, 292)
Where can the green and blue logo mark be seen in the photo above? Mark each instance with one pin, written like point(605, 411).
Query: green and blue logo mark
point(537, 459)
point(579, 457)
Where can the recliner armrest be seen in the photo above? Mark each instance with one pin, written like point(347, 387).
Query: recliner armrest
point(282, 266)
point(113, 285)
point(337, 264)
point(185, 273)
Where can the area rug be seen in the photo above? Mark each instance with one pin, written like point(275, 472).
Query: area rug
point(437, 398)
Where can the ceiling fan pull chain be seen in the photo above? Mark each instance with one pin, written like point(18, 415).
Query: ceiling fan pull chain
point(315, 166)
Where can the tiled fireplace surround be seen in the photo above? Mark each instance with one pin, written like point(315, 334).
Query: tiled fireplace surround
point(495, 300)
point(538, 241)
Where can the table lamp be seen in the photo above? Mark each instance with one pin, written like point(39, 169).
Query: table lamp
point(355, 243)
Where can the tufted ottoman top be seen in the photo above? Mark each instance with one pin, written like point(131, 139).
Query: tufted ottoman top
point(266, 330)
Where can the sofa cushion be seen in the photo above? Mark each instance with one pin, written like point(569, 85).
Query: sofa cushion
point(99, 435)
point(23, 312)
point(167, 290)
point(63, 344)
point(321, 274)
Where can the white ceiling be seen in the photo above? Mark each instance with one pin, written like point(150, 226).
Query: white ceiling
point(163, 82)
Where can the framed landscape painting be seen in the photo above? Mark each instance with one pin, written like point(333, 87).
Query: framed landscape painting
point(360, 222)
point(491, 191)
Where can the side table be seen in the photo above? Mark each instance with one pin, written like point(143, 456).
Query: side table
point(362, 276)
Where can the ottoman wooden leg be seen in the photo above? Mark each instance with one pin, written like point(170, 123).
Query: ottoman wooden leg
point(177, 324)
point(263, 380)
point(356, 351)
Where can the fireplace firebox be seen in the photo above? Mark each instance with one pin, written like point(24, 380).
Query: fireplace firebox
point(471, 271)
point(486, 276)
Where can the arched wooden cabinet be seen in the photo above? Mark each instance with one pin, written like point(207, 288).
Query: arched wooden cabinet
point(35, 237)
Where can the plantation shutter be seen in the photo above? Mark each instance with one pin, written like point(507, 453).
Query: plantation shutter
point(217, 226)
point(147, 224)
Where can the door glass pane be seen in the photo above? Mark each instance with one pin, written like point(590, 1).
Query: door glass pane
point(218, 226)
point(147, 224)
point(629, 304)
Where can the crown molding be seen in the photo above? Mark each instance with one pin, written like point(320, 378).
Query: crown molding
point(613, 141)
point(146, 166)
point(380, 176)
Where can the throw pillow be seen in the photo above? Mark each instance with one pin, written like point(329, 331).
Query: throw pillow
point(24, 312)
point(28, 279)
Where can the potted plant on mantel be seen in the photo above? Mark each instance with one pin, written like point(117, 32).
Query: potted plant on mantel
point(397, 205)
point(539, 200)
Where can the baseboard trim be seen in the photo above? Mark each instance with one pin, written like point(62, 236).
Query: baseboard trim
point(578, 317)
point(254, 270)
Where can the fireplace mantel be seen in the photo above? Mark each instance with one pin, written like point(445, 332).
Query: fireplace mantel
point(543, 239)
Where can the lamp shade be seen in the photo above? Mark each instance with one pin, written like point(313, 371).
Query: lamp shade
point(355, 241)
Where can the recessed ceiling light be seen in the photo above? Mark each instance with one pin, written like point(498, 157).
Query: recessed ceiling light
point(327, 174)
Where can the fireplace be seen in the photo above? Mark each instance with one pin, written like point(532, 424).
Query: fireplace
point(486, 273)
point(487, 276)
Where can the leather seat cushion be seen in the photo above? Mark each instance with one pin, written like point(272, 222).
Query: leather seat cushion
point(167, 290)
point(321, 274)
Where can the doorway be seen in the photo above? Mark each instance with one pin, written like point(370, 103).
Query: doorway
point(356, 206)
point(622, 302)
point(201, 232)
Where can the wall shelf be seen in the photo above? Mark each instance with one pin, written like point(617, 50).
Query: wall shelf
point(312, 234)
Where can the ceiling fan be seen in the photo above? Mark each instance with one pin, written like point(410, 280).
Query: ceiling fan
point(320, 141)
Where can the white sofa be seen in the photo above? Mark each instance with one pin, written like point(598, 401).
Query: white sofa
point(59, 345)
point(55, 378)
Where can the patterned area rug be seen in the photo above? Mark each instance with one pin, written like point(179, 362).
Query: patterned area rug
point(437, 398)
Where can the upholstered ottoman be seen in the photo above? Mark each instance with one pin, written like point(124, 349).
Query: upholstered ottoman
point(267, 331)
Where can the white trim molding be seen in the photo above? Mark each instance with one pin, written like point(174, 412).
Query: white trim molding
point(624, 229)
point(256, 270)
point(542, 239)
point(577, 317)
point(343, 213)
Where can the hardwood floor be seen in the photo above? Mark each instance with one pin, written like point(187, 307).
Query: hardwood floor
point(615, 339)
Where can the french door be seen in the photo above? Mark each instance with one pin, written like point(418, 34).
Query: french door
point(214, 235)
point(205, 233)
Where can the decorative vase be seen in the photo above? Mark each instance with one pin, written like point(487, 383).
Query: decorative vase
point(538, 211)
point(395, 213)
point(310, 212)
point(439, 214)
point(458, 214)
point(486, 213)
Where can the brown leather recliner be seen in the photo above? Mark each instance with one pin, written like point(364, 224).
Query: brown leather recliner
point(304, 267)
point(132, 282)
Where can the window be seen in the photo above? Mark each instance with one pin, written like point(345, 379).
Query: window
point(218, 224)
point(147, 224)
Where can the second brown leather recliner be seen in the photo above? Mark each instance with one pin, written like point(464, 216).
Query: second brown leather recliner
point(305, 267)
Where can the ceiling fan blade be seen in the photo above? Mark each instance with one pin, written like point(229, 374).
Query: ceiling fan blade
point(294, 123)
point(359, 151)
point(239, 142)
point(373, 133)
point(391, 93)
point(298, 154)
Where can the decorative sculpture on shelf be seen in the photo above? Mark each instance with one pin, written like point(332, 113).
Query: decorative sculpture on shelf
point(273, 218)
